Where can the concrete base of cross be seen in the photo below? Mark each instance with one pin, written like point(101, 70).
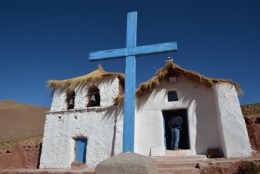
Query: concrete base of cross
point(127, 163)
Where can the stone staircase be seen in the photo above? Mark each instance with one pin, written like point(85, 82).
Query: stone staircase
point(168, 162)
point(178, 162)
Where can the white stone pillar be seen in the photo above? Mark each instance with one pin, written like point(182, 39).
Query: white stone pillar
point(233, 131)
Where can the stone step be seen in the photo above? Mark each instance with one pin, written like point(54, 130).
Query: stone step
point(180, 158)
point(160, 151)
point(175, 164)
point(178, 152)
point(180, 170)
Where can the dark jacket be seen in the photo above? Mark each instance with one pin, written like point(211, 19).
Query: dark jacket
point(175, 122)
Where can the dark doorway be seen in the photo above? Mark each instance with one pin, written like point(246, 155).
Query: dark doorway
point(184, 142)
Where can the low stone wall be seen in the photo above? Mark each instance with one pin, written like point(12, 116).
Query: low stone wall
point(21, 156)
point(253, 128)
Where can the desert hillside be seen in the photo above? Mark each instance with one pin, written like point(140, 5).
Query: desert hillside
point(19, 120)
point(251, 114)
point(25, 122)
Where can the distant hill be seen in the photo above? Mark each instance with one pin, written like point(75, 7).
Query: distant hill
point(250, 109)
point(19, 120)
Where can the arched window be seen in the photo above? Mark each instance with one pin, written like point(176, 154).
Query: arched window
point(94, 96)
point(172, 96)
point(70, 99)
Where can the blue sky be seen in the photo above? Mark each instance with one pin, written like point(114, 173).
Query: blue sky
point(52, 39)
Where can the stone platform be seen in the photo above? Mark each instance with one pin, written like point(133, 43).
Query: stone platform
point(48, 171)
point(179, 162)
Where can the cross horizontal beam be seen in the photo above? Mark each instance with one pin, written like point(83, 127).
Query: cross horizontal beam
point(133, 51)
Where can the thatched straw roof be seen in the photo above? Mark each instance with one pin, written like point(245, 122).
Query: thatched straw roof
point(172, 68)
point(96, 75)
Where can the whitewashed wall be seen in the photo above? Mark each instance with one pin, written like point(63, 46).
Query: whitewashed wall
point(102, 126)
point(232, 125)
point(62, 128)
point(108, 90)
point(119, 130)
point(202, 116)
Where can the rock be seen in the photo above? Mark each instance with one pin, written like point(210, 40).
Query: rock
point(127, 163)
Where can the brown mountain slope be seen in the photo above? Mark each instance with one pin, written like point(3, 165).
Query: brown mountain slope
point(19, 120)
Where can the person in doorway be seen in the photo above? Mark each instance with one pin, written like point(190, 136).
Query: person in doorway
point(176, 126)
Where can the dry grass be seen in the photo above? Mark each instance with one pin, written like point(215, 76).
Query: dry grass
point(248, 168)
point(81, 80)
point(173, 69)
point(251, 109)
point(29, 140)
point(119, 99)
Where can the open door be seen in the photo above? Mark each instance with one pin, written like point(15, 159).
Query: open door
point(184, 142)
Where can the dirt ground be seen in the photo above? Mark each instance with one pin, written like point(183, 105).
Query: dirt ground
point(227, 166)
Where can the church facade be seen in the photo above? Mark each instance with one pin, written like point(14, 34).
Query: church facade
point(80, 126)
point(210, 110)
point(85, 123)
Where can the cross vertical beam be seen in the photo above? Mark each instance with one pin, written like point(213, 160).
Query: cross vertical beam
point(130, 81)
point(130, 52)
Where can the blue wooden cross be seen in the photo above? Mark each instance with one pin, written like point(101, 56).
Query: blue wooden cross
point(130, 52)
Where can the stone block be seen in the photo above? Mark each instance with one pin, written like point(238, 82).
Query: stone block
point(127, 163)
point(158, 151)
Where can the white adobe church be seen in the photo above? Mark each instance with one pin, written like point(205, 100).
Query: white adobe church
point(85, 123)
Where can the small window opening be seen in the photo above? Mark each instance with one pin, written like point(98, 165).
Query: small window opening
point(172, 96)
point(93, 96)
point(70, 99)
